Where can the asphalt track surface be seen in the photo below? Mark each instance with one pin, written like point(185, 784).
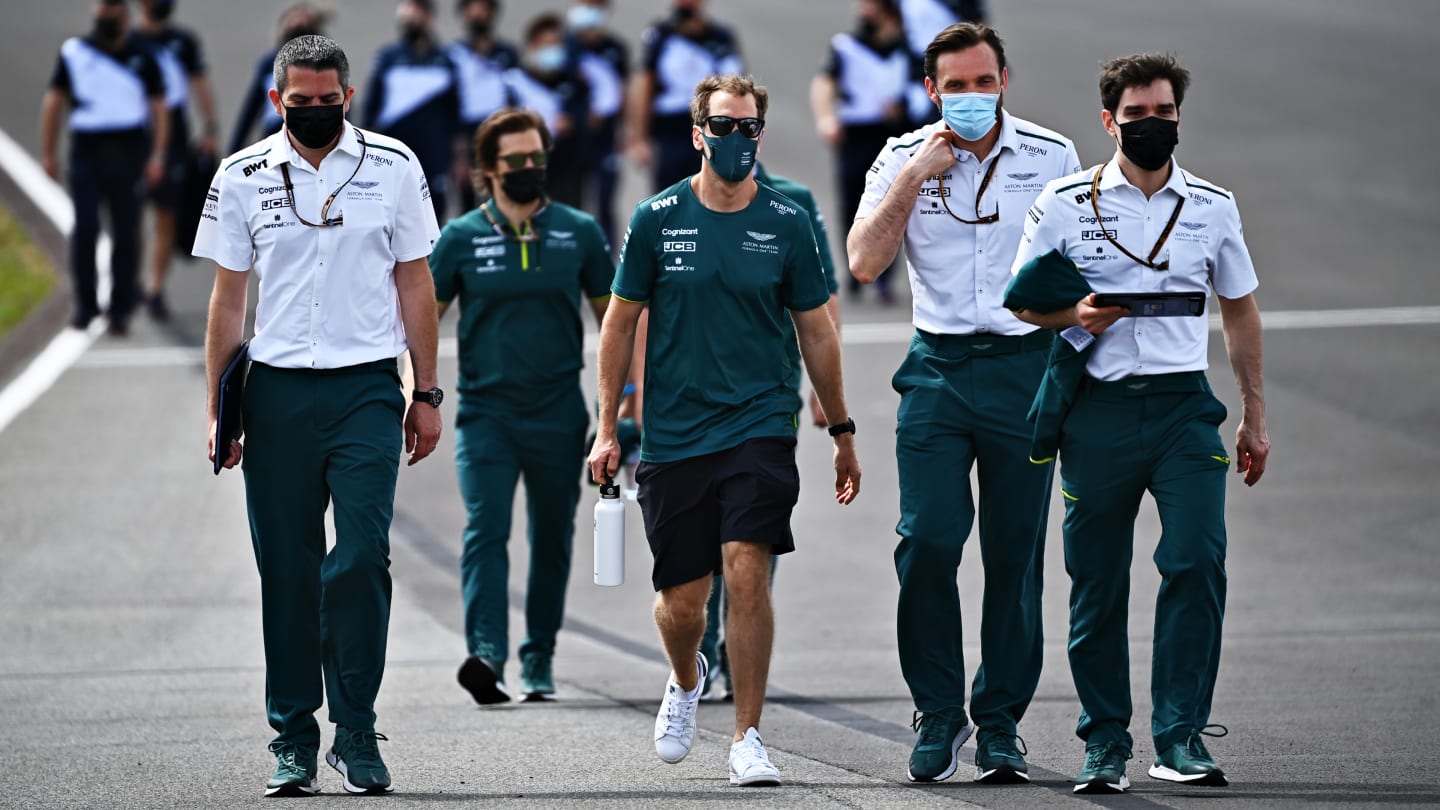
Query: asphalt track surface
point(131, 672)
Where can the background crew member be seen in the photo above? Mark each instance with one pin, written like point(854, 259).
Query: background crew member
point(413, 97)
point(1145, 420)
point(712, 645)
point(178, 53)
point(720, 255)
point(677, 52)
point(518, 266)
point(956, 191)
point(549, 82)
point(859, 103)
point(339, 229)
point(923, 20)
point(605, 65)
point(118, 130)
point(255, 107)
point(481, 60)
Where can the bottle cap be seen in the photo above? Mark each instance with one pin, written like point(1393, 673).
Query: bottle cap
point(609, 489)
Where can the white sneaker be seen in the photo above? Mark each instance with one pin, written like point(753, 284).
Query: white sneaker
point(675, 724)
point(749, 764)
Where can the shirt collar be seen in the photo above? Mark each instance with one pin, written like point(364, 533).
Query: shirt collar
point(1112, 177)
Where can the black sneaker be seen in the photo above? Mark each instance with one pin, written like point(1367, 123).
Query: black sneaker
point(157, 308)
point(482, 681)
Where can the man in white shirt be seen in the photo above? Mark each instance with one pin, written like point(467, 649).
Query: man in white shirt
point(956, 192)
point(336, 223)
point(1144, 419)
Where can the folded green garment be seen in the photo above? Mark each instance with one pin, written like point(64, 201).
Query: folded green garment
point(1049, 283)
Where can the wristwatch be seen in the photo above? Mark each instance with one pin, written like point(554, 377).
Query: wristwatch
point(848, 426)
point(433, 397)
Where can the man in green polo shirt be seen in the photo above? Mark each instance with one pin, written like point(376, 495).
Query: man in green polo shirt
point(518, 264)
point(724, 264)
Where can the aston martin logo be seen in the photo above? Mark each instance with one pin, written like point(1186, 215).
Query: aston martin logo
point(761, 237)
point(366, 183)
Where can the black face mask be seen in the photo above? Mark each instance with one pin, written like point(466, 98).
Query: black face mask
point(479, 28)
point(412, 33)
point(108, 29)
point(315, 127)
point(523, 185)
point(684, 14)
point(868, 29)
point(1149, 142)
point(161, 10)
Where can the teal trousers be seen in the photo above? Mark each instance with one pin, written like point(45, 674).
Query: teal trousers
point(1121, 439)
point(494, 449)
point(315, 439)
point(963, 402)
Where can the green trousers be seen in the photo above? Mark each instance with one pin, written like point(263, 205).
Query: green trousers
point(963, 402)
point(494, 448)
point(1121, 439)
point(315, 439)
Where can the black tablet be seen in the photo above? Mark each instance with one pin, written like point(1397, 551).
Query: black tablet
point(228, 423)
point(1155, 305)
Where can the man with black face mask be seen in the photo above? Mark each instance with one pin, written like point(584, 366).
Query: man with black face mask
point(413, 95)
point(118, 136)
point(518, 266)
point(1144, 418)
point(481, 59)
point(336, 223)
point(676, 53)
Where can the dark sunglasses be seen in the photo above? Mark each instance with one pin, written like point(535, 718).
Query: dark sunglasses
point(722, 125)
point(516, 160)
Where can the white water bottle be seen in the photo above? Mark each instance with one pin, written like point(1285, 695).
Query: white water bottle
point(609, 535)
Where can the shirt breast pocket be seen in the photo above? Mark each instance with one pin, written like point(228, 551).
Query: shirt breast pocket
point(368, 217)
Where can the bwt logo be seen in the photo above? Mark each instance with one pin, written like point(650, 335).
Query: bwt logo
point(665, 203)
point(679, 247)
point(782, 208)
point(255, 167)
point(1082, 197)
point(1097, 235)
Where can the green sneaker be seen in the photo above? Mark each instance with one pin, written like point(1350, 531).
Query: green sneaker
point(1189, 762)
point(294, 770)
point(1104, 770)
point(937, 750)
point(356, 756)
point(537, 683)
point(999, 758)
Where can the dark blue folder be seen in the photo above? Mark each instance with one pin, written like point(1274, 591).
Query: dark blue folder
point(229, 424)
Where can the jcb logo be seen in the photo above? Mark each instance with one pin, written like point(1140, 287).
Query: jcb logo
point(1097, 235)
point(255, 167)
point(679, 247)
point(934, 192)
point(278, 202)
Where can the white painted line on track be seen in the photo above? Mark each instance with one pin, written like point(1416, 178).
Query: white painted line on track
point(68, 346)
point(859, 334)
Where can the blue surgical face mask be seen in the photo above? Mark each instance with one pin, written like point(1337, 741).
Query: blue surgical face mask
point(549, 59)
point(584, 18)
point(732, 156)
point(970, 115)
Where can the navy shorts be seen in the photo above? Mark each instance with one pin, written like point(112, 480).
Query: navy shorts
point(694, 505)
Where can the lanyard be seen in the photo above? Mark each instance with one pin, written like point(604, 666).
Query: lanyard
point(525, 235)
point(984, 184)
point(325, 220)
point(1148, 261)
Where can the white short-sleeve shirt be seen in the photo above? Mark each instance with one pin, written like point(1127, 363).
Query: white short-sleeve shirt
point(1206, 250)
point(958, 272)
point(327, 295)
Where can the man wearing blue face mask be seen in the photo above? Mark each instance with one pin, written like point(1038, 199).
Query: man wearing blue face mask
point(955, 194)
point(548, 82)
point(725, 264)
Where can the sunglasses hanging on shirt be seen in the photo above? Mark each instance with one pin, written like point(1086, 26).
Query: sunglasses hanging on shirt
point(325, 220)
point(1148, 261)
point(984, 184)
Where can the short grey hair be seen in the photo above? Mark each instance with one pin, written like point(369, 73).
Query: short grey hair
point(311, 51)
